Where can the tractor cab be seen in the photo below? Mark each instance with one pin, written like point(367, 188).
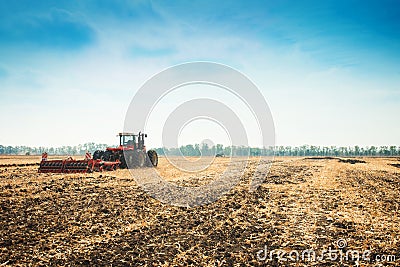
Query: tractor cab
point(132, 140)
point(127, 139)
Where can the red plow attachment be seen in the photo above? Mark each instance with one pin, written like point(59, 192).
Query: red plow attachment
point(71, 165)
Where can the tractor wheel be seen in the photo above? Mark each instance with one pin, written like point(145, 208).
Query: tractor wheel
point(108, 156)
point(98, 154)
point(123, 164)
point(152, 158)
point(128, 161)
point(119, 155)
point(140, 159)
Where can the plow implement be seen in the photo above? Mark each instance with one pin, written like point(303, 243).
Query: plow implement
point(71, 165)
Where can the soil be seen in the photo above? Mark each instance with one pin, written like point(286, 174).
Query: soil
point(107, 219)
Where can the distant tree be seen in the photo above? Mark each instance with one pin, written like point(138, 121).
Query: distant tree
point(197, 150)
point(219, 149)
point(356, 151)
point(372, 151)
point(227, 150)
point(392, 150)
point(188, 150)
point(205, 150)
point(255, 151)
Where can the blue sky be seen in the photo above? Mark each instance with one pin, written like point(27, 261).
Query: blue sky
point(329, 70)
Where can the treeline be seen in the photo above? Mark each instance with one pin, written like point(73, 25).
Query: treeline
point(305, 150)
point(63, 150)
point(204, 149)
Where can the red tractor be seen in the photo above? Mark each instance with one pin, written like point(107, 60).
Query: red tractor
point(131, 152)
